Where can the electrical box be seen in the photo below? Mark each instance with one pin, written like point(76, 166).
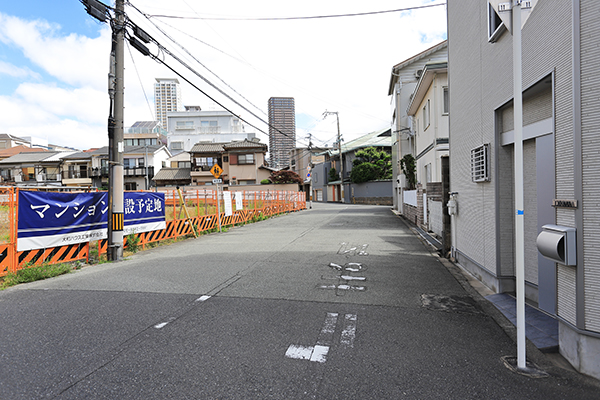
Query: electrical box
point(558, 243)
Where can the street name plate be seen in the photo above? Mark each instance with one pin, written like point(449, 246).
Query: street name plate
point(217, 180)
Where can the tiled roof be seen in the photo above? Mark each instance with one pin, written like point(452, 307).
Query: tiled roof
point(28, 157)
point(245, 144)
point(19, 149)
point(86, 155)
point(208, 148)
point(172, 174)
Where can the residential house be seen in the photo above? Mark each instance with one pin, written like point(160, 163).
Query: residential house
point(403, 82)
point(11, 151)
point(428, 109)
point(186, 128)
point(302, 159)
point(327, 189)
point(561, 82)
point(7, 141)
point(242, 162)
point(39, 168)
point(143, 133)
point(141, 163)
point(86, 168)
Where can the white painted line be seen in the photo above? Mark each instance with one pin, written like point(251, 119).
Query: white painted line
point(319, 354)
point(349, 332)
point(299, 352)
point(203, 298)
point(326, 335)
point(161, 325)
point(353, 278)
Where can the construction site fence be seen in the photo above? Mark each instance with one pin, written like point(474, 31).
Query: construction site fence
point(205, 209)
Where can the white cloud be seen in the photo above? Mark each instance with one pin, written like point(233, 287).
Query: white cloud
point(17, 72)
point(73, 59)
point(339, 64)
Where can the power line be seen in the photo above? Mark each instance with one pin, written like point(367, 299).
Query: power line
point(140, 80)
point(164, 50)
point(297, 18)
point(195, 59)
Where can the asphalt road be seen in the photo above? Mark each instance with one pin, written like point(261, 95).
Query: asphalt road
point(336, 302)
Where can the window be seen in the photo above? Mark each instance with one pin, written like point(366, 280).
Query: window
point(140, 162)
point(129, 162)
point(184, 125)
point(428, 173)
point(426, 116)
point(205, 163)
point(495, 25)
point(479, 164)
point(184, 164)
point(177, 145)
point(245, 159)
point(446, 100)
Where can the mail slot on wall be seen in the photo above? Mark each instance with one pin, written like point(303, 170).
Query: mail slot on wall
point(558, 244)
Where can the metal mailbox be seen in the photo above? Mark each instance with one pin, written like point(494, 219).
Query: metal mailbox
point(558, 243)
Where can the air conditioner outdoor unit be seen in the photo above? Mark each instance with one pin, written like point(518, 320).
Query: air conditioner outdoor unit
point(41, 177)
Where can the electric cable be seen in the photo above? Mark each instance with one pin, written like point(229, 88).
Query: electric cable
point(140, 80)
point(297, 18)
point(183, 63)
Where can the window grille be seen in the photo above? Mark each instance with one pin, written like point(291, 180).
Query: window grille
point(480, 164)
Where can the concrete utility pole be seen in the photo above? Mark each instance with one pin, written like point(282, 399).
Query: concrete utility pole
point(310, 170)
point(116, 216)
point(325, 114)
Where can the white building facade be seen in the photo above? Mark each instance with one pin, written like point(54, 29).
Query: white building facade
point(187, 128)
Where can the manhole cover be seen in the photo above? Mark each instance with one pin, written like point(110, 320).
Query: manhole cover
point(456, 304)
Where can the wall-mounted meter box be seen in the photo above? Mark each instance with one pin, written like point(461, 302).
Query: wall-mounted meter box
point(558, 243)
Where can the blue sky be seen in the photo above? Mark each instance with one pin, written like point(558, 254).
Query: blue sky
point(54, 63)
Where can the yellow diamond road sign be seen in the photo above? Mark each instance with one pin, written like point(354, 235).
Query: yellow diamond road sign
point(216, 171)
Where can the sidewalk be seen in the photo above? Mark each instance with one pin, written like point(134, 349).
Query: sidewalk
point(540, 328)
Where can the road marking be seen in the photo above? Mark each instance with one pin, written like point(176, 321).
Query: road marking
point(326, 335)
point(353, 278)
point(203, 298)
point(318, 352)
point(161, 325)
point(349, 332)
point(299, 352)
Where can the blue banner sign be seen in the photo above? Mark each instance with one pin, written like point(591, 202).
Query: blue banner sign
point(50, 219)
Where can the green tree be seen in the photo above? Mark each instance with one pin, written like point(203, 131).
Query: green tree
point(409, 168)
point(371, 164)
point(333, 175)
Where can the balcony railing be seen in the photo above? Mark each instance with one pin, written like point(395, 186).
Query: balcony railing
point(138, 171)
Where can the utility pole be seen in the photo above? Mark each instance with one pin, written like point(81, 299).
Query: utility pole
point(310, 166)
point(116, 216)
point(325, 114)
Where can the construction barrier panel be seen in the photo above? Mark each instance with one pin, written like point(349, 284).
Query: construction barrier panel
point(201, 205)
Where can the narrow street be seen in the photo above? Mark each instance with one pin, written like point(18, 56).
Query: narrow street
point(336, 302)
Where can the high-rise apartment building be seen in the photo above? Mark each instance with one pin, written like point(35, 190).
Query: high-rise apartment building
point(167, 98)
point(282, 130)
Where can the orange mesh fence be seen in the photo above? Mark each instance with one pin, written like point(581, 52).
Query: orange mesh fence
point(202, 206)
